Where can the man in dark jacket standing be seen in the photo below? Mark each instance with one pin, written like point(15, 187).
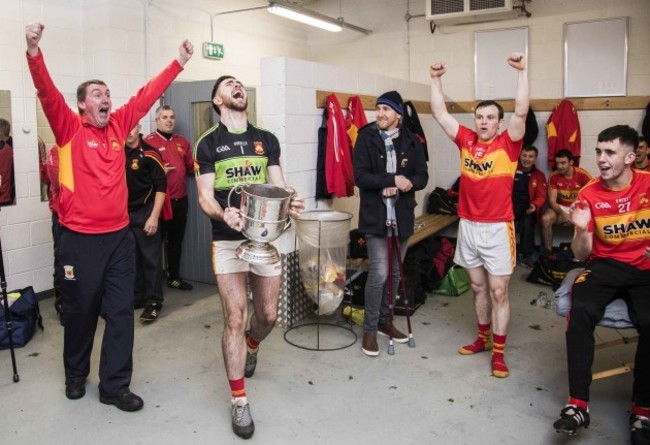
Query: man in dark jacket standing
point(147, 184)
point(528, 198)
point(388, 163)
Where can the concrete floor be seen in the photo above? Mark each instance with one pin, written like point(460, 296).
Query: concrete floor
point(426, 395)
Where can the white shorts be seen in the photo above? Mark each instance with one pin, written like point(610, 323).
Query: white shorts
point(490, 245)
point(224, 261)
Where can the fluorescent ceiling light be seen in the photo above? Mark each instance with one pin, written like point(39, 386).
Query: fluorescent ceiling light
point(311, 18)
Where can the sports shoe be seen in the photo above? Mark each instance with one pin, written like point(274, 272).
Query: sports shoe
point(178, 283)
point(571, 418)
point(251, 363)
point(150, 313)
point(242, 422)
point(75, 389)
point(640, 426)
point(126, 402)
point(398, 336)
point(369, 345)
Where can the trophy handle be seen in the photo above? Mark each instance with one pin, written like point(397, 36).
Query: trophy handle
point(237, 187)
point(292, 193)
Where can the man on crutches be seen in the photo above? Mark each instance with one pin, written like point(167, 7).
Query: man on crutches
point(389, 167)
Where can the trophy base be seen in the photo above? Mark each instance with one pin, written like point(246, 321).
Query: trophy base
point(257, 253)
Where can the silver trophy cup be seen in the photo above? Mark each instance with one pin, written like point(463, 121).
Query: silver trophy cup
point(265, 209)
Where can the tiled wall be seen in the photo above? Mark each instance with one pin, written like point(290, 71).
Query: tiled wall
point(390, 49)
point(288, 109)
point(106, 39)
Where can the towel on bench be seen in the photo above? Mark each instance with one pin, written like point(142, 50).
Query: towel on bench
point(616, 314)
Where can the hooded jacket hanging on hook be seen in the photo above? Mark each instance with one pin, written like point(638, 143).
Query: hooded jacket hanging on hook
point(338, 157)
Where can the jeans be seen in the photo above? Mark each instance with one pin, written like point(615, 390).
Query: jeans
point(376, 291)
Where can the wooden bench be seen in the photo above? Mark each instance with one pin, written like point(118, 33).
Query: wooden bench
point(427, 225)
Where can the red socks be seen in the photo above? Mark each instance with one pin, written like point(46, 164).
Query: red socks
point(251, 343)
point(499, 367)
point(237, 388)
point(641, 411)
point(481, 344)
point(579, 403)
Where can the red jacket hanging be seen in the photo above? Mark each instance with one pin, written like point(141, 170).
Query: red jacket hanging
point(338, 156)
point(355, 119)
point(563, 131)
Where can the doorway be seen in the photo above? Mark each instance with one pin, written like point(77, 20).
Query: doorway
point(194, 116)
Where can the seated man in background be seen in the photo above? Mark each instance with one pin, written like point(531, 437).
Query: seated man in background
point(528, 198)
point(611, 217)
point(563, 187)
point(641, 162)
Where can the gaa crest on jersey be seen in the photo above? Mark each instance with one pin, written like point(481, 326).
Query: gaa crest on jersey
point(114, 145)
point(643, 200)
point(69, 272)
point(134, 164)
point(582, 277)
point(259, 148)
point(179, 147)
point(404, 163)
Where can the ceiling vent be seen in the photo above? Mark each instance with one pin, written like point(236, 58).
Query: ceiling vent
point(458, 12)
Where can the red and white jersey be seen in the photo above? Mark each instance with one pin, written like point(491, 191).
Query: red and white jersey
point(176, 153)
point(620, 220)
point(487, 174)
point(568, 188)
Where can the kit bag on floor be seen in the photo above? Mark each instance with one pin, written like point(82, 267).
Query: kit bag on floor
point(25, 315)
point(441, 202)
point(552, 270)
point(356, 289)
point(455, 283)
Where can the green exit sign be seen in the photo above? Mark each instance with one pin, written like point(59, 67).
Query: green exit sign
point(212, 50)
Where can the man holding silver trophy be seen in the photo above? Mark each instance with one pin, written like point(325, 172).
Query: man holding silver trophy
point(237, 155)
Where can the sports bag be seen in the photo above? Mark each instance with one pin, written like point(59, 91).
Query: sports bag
point(440, 202)
point(25, 315)
point(455, 283)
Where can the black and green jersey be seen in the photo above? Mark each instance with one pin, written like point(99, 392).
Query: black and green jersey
point(234, 158)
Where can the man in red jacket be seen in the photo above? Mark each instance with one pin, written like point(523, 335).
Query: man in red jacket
point(95, 261)
point(528, 198)
point(177, 157)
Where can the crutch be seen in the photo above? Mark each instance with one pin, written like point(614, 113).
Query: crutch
point(391, 225)
point(8, 323)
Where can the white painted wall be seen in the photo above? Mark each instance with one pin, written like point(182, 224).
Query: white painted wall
point(124, 42)
point(393, 51)
point(289, 110)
